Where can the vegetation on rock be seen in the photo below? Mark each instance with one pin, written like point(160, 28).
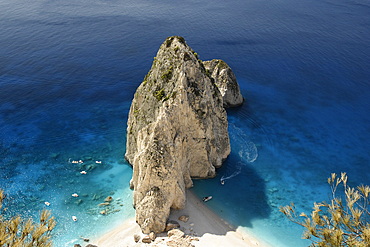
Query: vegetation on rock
point(341, 222)
point(19, 232)
point(180, 132)
point(168, 74)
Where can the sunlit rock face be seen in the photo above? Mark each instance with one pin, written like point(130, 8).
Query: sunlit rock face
point(177, 130)
point(225, 80)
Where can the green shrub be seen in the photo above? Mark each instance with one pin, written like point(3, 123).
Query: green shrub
point(342, 222)
point(19, 232)
point(168, 74)
point(159, 94)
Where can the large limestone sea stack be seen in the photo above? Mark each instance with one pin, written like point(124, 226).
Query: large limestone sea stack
point(177, 130)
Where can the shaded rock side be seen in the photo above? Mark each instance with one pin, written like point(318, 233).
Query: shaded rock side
point(177, 130)
point(226, 82)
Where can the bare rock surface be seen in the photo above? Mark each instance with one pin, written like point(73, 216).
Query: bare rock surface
point(184, 218)
point(226, 82)
point(176, 233)
point(177, 130)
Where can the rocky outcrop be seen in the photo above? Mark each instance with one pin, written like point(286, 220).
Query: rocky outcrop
point(225, 80)
point(177, 130)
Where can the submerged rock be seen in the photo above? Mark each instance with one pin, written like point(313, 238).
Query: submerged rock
point(177, 130)
point(108, 199)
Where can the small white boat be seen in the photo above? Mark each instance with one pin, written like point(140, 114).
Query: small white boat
point(207, 198)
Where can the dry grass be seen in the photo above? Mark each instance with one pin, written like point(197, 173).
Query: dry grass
point(342, 222)
point(19, 232)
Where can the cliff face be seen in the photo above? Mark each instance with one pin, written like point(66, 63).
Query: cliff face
point(225, 80)
point(177, 129)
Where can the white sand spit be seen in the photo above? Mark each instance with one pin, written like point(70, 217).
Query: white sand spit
point(204, 227)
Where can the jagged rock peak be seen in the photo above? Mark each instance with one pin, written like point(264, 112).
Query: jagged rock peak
point(177, 130)
point(226, 82)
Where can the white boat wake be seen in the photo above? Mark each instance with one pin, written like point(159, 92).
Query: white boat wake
point(235, 173)
point(248, 149)
point(248, 152)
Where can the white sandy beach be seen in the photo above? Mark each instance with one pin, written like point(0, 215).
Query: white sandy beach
point(204, 224)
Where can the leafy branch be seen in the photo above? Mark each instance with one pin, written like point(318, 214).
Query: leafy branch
point(19, 232)
point(341, 222)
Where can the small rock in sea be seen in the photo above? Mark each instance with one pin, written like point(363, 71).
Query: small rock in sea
point(176, 233)
point(172, 224)
point(77, 245)
point(184, 218)
point(146, 240)
point(152, 236)
point(137, 238)
point(108, 199)
point(85, 239)
point(103, 204)
point(103, 212)
point(91, 245)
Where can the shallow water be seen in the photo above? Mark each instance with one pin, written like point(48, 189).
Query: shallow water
point(69, 69)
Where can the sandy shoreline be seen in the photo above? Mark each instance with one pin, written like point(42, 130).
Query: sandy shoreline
point(204, 224)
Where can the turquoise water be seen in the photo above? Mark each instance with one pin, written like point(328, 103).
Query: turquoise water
point(69, 69)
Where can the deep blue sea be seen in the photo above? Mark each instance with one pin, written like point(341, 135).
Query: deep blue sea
point(69, 70)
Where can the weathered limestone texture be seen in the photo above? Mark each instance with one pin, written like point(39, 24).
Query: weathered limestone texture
point(177, 130)
point(226, 82)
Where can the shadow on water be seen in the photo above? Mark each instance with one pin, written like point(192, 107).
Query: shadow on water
point(241, 199)
point(238, 191)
